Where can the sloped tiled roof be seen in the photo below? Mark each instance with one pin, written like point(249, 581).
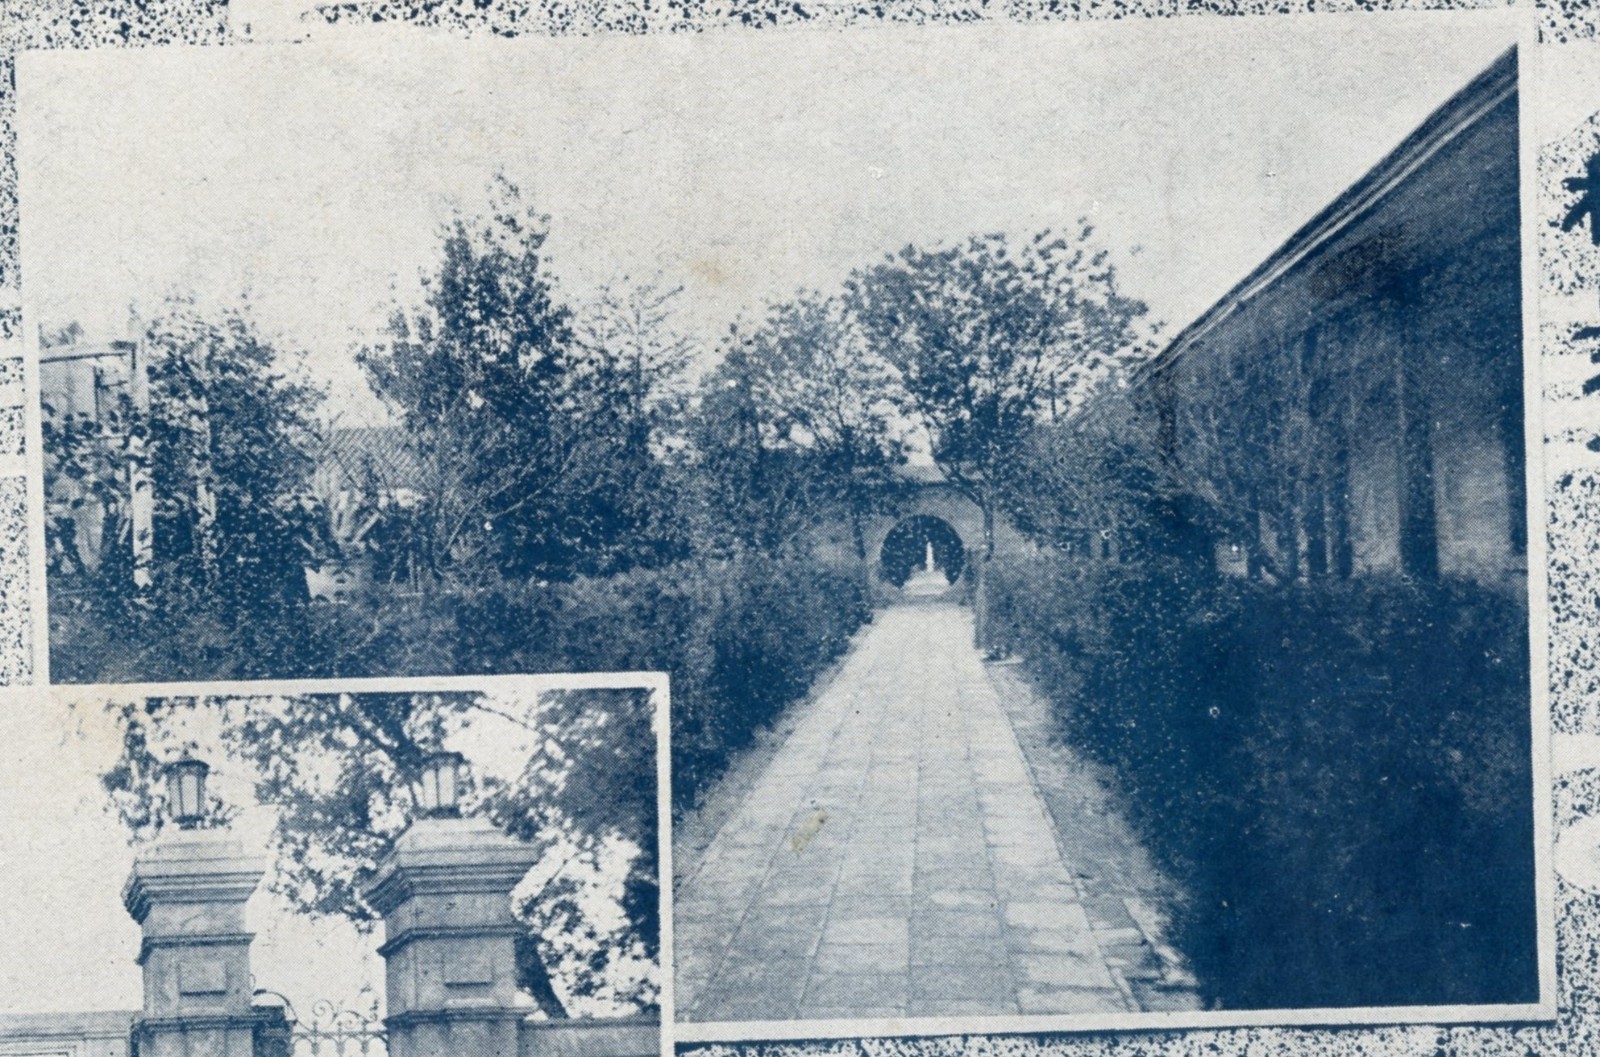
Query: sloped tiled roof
point(378, 451)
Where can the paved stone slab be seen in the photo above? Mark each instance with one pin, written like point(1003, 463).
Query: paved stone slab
point(894, 859)
point(842, 991)
point(862, 958)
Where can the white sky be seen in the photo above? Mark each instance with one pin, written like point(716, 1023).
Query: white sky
point(67, 942)
point(71, 944)
point(741, 164)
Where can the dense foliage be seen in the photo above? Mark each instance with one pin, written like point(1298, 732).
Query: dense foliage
point(804, 389)
point(533, 442)
point(986, 338)
point(1338, 774)
point(740, 638)
point(220, 436)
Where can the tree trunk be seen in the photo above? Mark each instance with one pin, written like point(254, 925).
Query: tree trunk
point(141, 485)
point(980, 603)
point(980, 607)
point(532, 976)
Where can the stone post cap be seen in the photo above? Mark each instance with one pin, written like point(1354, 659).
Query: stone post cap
point(445, 856)
point(191, 866)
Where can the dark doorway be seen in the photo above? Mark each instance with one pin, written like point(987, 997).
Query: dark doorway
point(910, 544)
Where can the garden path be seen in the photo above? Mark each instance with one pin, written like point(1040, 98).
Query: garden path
point(897, 858)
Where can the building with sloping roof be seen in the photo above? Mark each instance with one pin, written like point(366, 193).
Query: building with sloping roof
point(366, 458)
point(1355, 404)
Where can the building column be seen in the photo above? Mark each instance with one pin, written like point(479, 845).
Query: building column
point(445, 896)
point(188, 891)
point(1418, 521)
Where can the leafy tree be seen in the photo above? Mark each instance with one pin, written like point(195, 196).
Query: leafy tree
point(633, 353)
point(338, 769)
point(827, 398)
point(747, 485)
point(988, 339)
point(478, 378)
point(227, 446)
point(1093, 486)
point(88, 462)
point(1079, 482)
point(534, 462)
point(220, 433)
point(632, 379)
point(1246, 412)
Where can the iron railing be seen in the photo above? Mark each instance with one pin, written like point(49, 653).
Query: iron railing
point(334, 1031)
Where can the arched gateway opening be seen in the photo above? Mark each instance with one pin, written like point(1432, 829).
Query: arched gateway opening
point(924, 550)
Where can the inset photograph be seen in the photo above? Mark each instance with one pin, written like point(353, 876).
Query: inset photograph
point(300, 870)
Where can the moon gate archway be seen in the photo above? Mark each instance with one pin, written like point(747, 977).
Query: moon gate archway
point(921, 542)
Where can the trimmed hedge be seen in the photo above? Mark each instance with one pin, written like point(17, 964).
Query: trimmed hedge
point(740, 639)
point(1338, 775)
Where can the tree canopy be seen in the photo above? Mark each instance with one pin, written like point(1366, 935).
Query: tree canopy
point(988, 338)
point(534, 426)
point(221, 433)
point(796, 424)
point(828, 397)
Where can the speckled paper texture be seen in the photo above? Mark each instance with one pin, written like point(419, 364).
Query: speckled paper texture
point(1567, 264)
point(517, 17)
point(11, 390)
point(10, 431)
point(16, 627)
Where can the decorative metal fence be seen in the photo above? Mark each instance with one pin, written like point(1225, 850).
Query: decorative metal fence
point(333, 1030)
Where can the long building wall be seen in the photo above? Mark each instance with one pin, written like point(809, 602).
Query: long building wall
point(1354, 406)
point(66, 1034)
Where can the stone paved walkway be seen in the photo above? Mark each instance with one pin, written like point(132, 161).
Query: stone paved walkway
point(895, 858)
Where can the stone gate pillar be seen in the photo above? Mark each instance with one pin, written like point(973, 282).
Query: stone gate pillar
point(188, 891)
point(450, 950)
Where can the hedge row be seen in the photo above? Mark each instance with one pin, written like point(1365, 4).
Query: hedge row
point(1337, 775)
point(740, 640)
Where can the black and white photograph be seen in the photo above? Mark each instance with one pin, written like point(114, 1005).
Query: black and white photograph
point(399, 867)
point(1075, 478)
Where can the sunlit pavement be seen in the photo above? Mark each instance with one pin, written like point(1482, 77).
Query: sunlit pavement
point(895, 859)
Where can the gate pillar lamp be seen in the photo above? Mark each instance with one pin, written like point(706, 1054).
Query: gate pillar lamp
point(438, 788)
point(450, 956)
point(186, 790)
point(187, 891)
